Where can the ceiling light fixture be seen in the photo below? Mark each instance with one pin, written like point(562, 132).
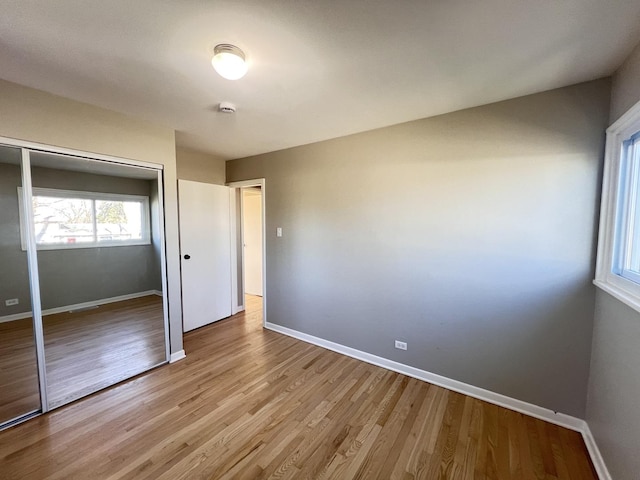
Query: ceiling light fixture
point(229, 62)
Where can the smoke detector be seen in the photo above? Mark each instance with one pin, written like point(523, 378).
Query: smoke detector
point(227, 107)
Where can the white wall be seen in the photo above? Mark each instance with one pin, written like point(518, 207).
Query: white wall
point(37, 116)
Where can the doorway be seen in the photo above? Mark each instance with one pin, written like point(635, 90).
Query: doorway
point(252, 240)
point(249, 248)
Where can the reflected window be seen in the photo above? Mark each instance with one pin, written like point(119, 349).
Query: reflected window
point(70, 219)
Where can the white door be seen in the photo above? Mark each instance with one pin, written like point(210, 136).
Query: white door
point(252, 237)
point(205, 248)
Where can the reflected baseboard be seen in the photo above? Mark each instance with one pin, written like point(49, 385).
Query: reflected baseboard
point(80, 306)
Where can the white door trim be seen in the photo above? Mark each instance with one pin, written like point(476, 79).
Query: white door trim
point(34, 279)
point(163, 266)
point(235, 198)
point(257, 182)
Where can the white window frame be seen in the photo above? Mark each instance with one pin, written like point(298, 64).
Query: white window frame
point(609, 276)
point(94, 196)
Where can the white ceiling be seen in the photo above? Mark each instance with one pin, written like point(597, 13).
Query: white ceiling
point(318, 69)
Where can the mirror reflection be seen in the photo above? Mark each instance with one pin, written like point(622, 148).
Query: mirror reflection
point(19, 387)
point(99, 263)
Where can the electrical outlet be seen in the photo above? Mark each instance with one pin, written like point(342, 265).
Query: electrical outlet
point(401, 345)
point(11, 301)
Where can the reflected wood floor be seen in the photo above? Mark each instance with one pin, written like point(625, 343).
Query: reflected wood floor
point(18, 370)
point(85, 352)
point(92, 349)
point(251, 403)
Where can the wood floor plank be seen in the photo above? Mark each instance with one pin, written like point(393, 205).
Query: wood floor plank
point(249, 403)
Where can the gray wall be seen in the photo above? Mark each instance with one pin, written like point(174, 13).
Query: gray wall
point(469, 235)
point(199, 166)
point(14, 273)
point(625, 87)
point(156, 233)
point(614, 382)
point(614, 386)
point(78, 275)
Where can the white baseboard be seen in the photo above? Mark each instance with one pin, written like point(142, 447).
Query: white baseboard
point(77, 306)
point(561, 419)
point(594, 452)
point(175, 356)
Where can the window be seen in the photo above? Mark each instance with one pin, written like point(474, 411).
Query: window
point(69, 219)
point(618, 265)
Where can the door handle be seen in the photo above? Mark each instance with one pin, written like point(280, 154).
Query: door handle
point(187, 257)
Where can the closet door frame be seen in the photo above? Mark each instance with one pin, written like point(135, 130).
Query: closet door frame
point(26, 148)
point(34, 278)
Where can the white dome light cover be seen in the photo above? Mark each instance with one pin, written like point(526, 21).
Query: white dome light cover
point(229, 62)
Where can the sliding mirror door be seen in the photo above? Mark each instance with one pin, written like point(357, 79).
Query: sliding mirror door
point(99, 244)
point(19, 381)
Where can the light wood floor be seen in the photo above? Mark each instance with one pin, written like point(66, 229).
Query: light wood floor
point(85, 351)
point(250, 403)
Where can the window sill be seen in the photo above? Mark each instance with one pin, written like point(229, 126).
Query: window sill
point(615, 291)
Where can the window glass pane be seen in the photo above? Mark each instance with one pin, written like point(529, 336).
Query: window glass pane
point(118, 220)
point(62, 220)
point(632, 262)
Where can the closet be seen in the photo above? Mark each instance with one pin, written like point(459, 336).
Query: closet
point(82, 275)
